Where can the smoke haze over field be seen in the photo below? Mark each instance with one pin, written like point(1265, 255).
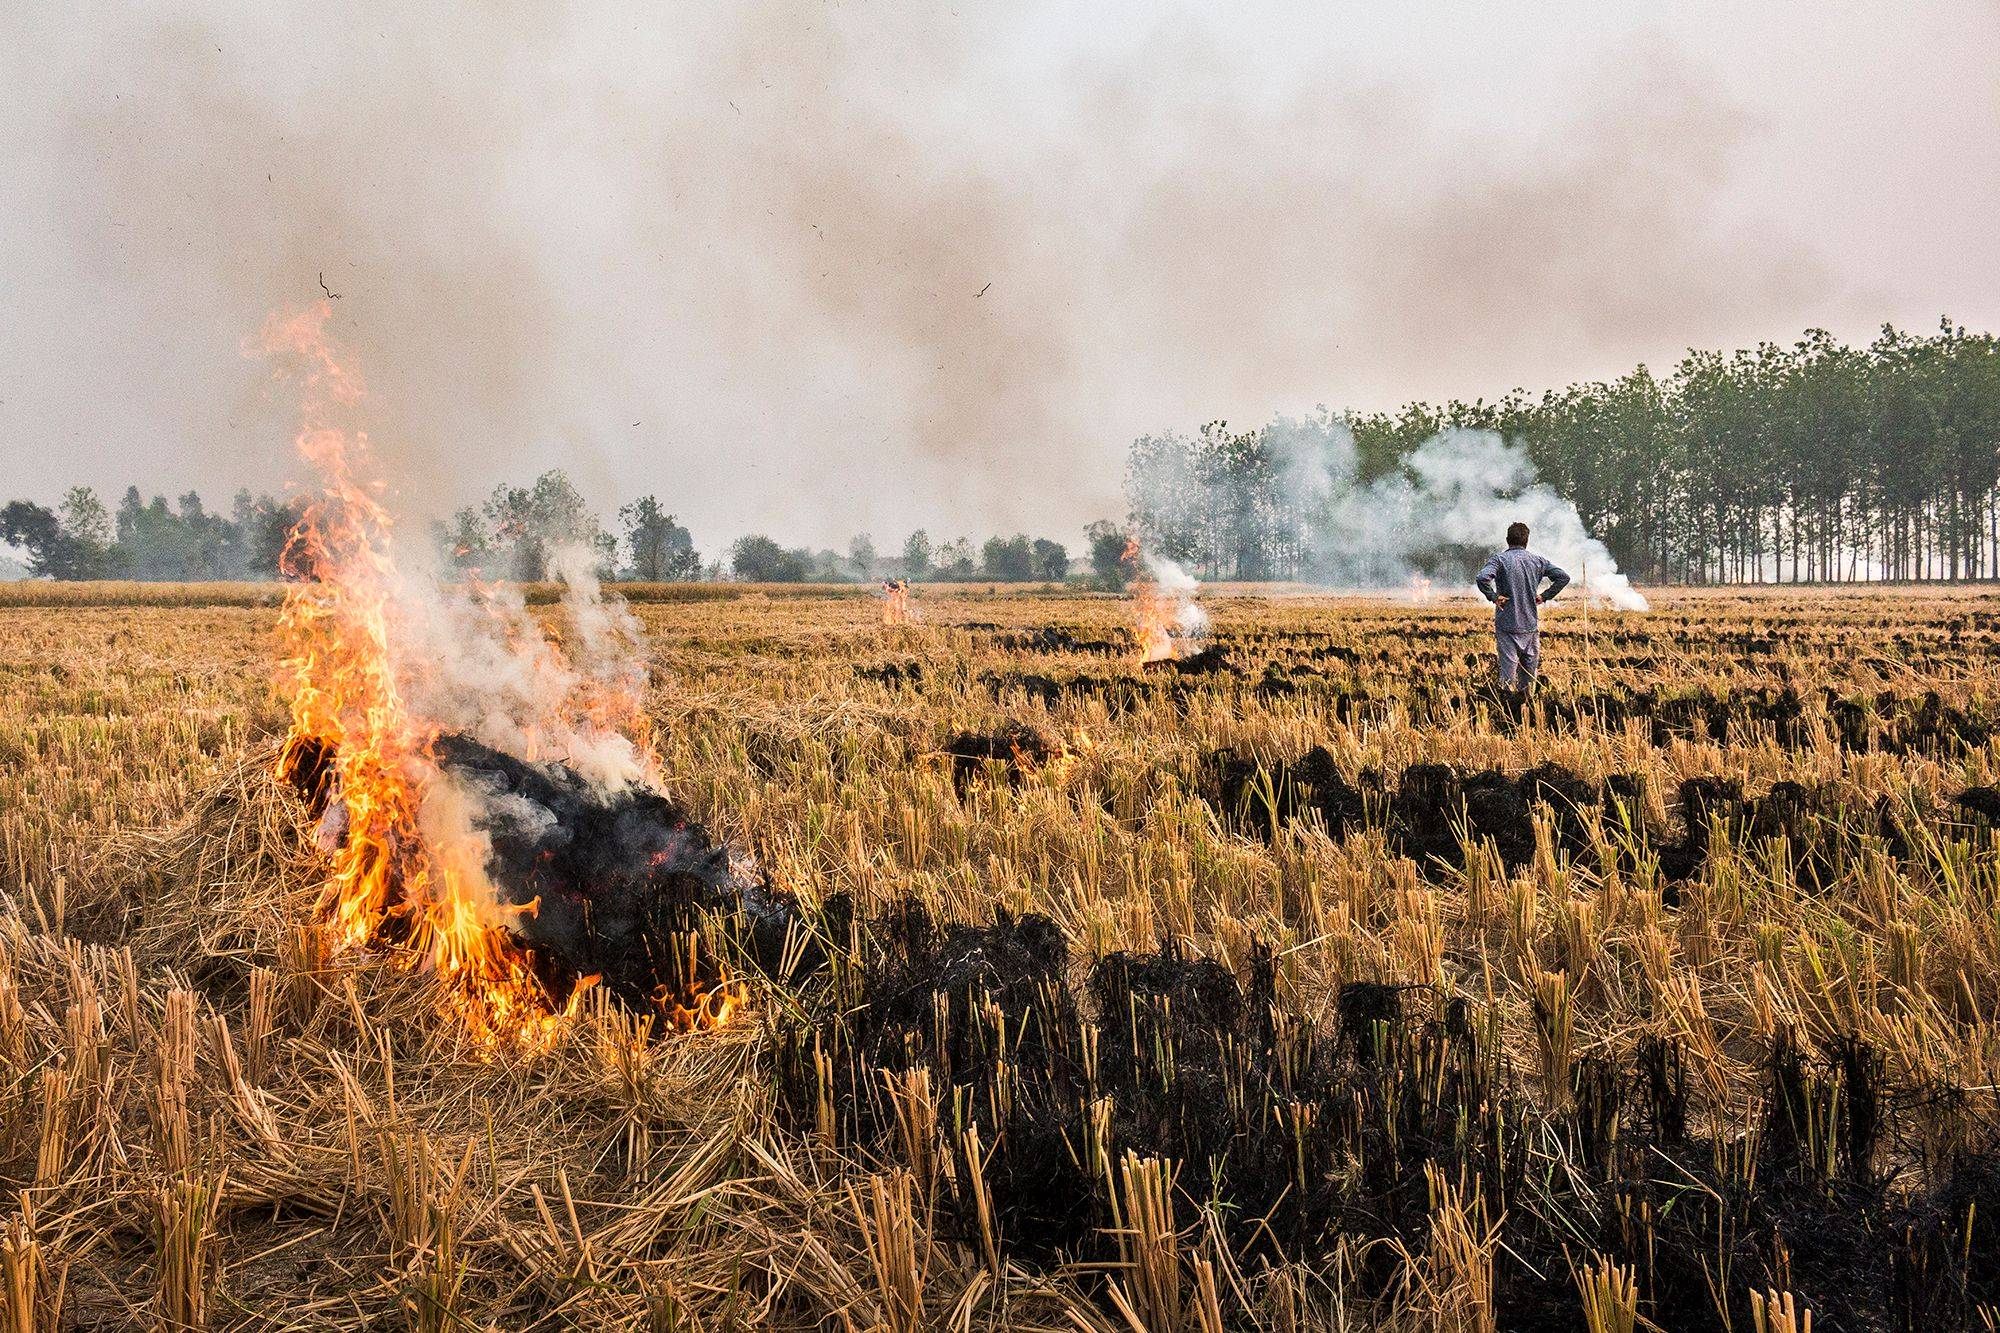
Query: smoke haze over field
point(813, 269)
point(1455, 493)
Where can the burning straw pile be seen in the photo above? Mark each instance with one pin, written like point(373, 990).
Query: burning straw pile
point(488, 800)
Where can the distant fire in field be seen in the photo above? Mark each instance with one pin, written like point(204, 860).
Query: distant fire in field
point(488, 795)
point(1420, 589)
point(1166, 619)
point(895, 601)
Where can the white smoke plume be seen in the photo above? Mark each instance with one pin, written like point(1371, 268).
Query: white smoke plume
point(1455, 493)
point(478, 661)
point(433, 644)
point(1178, 590)
point(1167, 617)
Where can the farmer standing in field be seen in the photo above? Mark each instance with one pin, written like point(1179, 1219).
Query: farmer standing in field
point(1512, 581)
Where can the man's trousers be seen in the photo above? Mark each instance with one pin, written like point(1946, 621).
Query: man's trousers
point(1520, 653)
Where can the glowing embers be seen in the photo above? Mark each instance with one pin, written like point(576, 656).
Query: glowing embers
point(621, 886)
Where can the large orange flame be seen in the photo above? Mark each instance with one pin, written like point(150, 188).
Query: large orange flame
point(409, 867)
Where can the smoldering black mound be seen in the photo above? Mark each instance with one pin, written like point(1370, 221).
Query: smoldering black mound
point(935, 998)
point(1429, 813)
point(1045, 690)
point(619, 883)
point(1809, 820)
point(1016, 746)
point(1043, 1080)
point(1208, 661)
point(1983, 802)
point(1433, 812)
point(1050, 639)
point(892, 674)
point(1118, 694)
point(1259, 798)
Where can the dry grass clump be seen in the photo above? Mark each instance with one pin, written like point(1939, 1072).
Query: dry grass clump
point(210, 1118)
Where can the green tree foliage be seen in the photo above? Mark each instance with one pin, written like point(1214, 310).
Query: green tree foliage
point(528, 526)
point(183, 541)
point(87, 522)
point(761, 560)
point(1107, 552)
point(661, 550)
point(37, 531)
point(861, 555)
point(87, 529)
point(463, 542)
point(268, 529)
point(1008, 559)
point(1012, 559)
point(72, 542)
point(953, 560)
point(156, 544)
point(917, 554)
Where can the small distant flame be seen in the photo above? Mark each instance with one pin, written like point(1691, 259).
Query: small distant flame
point(408, 862)
point(1165, 616)
point(1420, 589)
point(895, 601)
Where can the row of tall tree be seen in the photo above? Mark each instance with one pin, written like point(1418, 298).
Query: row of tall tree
point(1816, 461)
point(520, 532)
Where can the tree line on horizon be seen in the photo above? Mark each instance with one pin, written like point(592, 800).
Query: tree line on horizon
point(516, 533)
point(153, 541)
point(1814, 462)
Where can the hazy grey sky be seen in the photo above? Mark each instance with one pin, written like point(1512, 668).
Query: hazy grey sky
point(734, 254)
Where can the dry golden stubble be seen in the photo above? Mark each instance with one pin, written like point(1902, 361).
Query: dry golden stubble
point(149, 866)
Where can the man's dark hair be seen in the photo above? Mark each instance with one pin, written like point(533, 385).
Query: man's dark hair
point(1517, 534)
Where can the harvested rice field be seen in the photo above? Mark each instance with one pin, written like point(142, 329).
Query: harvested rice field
point(1302, 982)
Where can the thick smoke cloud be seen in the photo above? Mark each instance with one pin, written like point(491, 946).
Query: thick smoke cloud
point(478, 662)
point(1457, 490)
point(1435, 516)
point(814, 268)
